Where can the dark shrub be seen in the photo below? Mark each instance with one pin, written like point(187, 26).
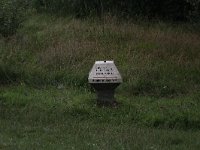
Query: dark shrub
point(12, 14)
point(175, 10)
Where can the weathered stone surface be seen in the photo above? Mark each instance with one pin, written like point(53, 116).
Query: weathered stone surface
point(104, 78)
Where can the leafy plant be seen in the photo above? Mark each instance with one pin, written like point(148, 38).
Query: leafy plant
point(12, 14)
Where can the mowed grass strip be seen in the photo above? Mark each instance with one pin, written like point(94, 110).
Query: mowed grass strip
point(53, 105)
point(52, 118)
point(72, 134)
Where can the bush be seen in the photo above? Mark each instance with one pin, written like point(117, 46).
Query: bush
point(178, 10)
point(195, 13)
point(78, 8)
point(12, 14)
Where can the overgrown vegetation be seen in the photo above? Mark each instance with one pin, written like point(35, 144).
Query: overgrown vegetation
point(45, 99)
point(176, 10)
point(156, 60)
point(12, 14)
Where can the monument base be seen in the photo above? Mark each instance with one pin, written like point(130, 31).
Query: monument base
point(105, 94)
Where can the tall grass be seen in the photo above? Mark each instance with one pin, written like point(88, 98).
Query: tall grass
point(155, 59)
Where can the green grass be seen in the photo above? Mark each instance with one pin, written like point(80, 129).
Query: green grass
point(46, 103)
point(86, 135)
point(53, 50)
point(51, 118)
point(181, 113)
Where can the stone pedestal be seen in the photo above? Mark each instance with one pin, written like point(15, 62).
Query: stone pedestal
point(104, 77)
point(105, 93)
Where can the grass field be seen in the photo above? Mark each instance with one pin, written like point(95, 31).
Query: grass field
point(67, 118)
point(46, 102)
point(155, 60)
